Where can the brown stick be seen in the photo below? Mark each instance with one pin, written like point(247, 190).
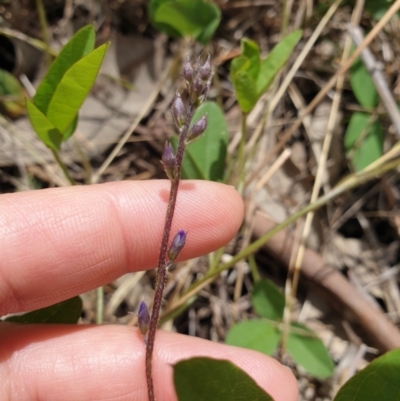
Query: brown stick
point(339, 292)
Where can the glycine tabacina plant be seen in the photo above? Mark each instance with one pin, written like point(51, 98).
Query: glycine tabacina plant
point(198, 79)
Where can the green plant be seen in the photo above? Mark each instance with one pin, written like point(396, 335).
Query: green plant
point(53, 112)
point(251, 77)
point(181, 18)
point(264, 334)
point(363, 139)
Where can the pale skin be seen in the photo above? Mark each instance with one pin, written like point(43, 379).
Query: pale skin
point(58, 243)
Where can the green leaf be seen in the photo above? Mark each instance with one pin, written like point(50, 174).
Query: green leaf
point(250, 77)
point(70, 130)
point(275, 60)
point(367, 139)
point(245, 87)
point(257, 335)
point(205, 158)
point(268, 300)
point(206, 379)
point(65, 312)
point(43, 127)
point(378, 381)
point(179, 18)
point(244, 73)
point(363, 86)
point(309, 352)
point(78, 46)
point(251, 52)
point(73, 89)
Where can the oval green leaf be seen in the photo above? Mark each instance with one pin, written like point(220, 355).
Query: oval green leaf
point(363, 86)
point(257, 335)
point(81, 44)
point(366, 137)
point(309, 352)
point(179, 18)
point(44, 128)
point(206, 379)
point(65, 312)
point(73, 89)
point(268, 300)
point(378, 381)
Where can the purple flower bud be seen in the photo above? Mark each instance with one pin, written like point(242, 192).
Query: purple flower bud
point(178, 111)
point(197, 86)
point(169, 161)
point(187, 71)
point(176, 245)
point(197, 130)
point(143, 319)
point(205, 70)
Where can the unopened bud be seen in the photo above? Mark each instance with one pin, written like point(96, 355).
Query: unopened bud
point(205, 70)
point(187, 71)
point(178, 111)
point(143, 320)
point(169, 161)
point(197, 130)
point(177, 244)
point(197, 86)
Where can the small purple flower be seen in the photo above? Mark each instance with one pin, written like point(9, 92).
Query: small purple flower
point(176, 245)
point(205, 70)
point(169, 161)
point(143, 319)
point(178, 111)
point(187, 71)
point(197, 130)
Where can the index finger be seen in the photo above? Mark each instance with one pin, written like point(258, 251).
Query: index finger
point(57, 243)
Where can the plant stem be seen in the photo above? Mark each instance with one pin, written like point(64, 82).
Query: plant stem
point(99, 305)
point(162, 260)
point(63, 167)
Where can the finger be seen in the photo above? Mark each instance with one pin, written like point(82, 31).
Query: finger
point(61, 242)
point(107, 363)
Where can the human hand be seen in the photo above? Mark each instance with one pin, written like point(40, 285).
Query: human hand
point(58, 243)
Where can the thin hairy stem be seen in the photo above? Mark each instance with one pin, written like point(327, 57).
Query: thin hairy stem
point(198, 79)
point(162, 259)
